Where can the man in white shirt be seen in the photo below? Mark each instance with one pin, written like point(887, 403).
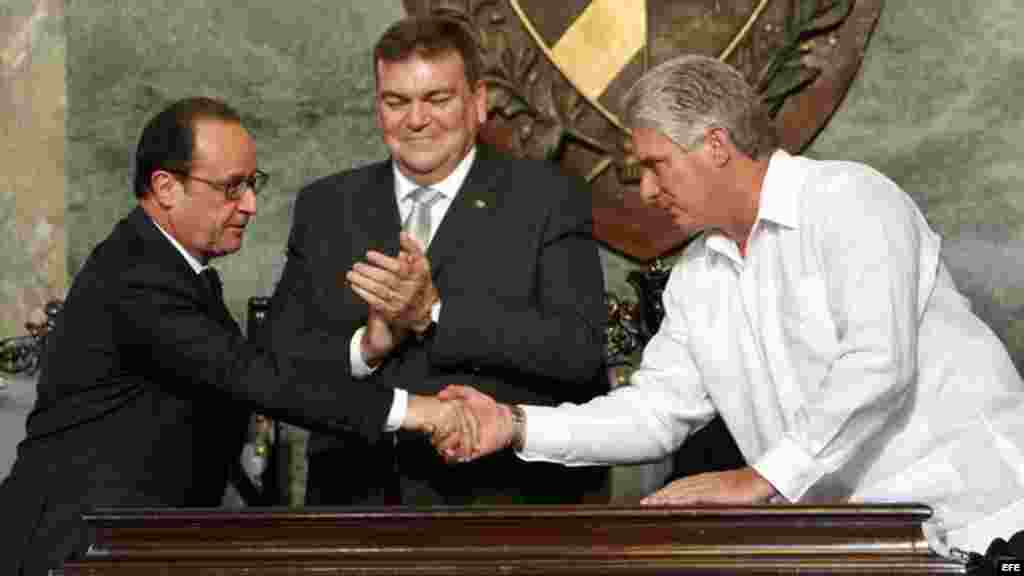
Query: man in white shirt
point(814, 315)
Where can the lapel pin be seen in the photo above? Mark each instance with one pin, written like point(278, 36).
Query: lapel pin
point(480, 204)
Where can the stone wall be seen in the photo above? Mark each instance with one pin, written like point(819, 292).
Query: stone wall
point(298, 72)
point(32, 107)
point(936, 108)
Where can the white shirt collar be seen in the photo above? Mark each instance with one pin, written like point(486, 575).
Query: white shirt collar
point(777, 202)
point(783, 180)
point(196, 265)
point(447, 187)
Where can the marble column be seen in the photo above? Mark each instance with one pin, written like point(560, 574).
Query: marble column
point(32, 108)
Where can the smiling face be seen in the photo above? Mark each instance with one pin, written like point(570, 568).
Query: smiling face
point(200, 217)
point(679, 182)
point(429, 114)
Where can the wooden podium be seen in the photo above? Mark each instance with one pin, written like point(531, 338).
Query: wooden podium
point(514, 540)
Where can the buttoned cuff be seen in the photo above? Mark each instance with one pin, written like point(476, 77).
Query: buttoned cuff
point(360, 369)
point(399, 408)
point(790, 469)
point(547, 435)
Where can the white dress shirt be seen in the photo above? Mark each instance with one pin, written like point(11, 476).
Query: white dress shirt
point(448, 188)
point(193, 263)
point(839, 354)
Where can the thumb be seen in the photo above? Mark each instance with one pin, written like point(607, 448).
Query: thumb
point(411, 244)
point(451, 392)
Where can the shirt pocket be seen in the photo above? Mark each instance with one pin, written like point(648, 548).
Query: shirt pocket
point(808, 326)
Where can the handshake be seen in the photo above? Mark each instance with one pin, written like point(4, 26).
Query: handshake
point(465, 424)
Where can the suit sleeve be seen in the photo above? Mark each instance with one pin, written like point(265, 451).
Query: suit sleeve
point(304, 379)
point(560, 334)
point(294, 321)
point(193, 353)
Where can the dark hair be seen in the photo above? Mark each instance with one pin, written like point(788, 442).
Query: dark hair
point(430, 37)
point(168, 139)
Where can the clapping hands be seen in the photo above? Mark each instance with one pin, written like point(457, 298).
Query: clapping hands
point(398, 289)
point(463, 424)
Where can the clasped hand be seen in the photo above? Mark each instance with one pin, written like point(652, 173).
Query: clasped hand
point(448, 422)
point(399, 289)
point(495, 430)
point(399, 293)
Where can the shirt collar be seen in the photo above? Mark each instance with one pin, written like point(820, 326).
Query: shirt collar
point(196, 265)
point(447, 187)
point(777, 202)
point(779, 190)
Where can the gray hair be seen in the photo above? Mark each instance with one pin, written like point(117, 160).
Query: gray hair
point(685, 96)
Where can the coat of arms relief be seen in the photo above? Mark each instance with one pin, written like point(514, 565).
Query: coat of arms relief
point(556, 71)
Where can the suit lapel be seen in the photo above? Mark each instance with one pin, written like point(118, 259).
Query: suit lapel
point(216, 303)
point(477, 198)
point(170, 259)
point(376, 203)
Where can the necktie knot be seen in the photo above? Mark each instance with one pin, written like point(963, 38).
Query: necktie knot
point(418, 222)
point(424, 196)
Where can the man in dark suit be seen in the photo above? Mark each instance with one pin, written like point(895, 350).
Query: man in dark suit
point(508, 295)
point(147, 380)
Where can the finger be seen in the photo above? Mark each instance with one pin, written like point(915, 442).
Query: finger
point(452, 391)
point(681, 492)
point(387, 286)
point(382, 275)
point(446, 445)
point(454, 451)
point(670, 500)
point(411, 244)
point(383, 307)
point(392, 263)
point(395, 298)
point(471, 441)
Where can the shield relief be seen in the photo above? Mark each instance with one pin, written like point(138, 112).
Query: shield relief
point(557, 70)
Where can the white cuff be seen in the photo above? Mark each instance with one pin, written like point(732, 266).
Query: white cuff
point(360, 369)
point(399, 408)
point(547, 434)
point(790, 469)
point(435, 312)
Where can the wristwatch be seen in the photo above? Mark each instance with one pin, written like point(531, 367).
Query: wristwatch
point(518, 441)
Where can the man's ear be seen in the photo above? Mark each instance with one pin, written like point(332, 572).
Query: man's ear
point(164, 188)
point(480, 101)
point(719, 145)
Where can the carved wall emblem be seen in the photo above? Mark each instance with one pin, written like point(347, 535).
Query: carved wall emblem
point(557, 70)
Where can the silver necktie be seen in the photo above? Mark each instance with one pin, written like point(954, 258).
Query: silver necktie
point(418, 221)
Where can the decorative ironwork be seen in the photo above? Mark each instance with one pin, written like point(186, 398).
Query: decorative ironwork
point(21, 354)
point(631, 324)
point(623, 333)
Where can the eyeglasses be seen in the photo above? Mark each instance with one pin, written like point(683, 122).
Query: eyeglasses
point(231, 189)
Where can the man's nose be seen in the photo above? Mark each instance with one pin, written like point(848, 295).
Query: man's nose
point(418, 116)
point(247, 203)
point(648, 187)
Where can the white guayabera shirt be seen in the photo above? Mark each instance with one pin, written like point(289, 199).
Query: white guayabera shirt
point(838, 352)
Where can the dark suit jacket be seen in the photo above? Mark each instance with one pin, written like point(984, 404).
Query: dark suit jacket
point(521, 286)
point(143, 397)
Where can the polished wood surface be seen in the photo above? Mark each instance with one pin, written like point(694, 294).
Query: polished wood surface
point(515, 540)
